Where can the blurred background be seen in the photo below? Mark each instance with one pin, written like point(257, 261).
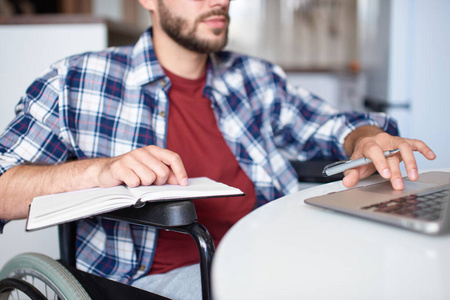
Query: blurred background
point(365, 55)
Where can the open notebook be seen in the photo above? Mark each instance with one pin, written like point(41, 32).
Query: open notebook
point(422, 206)
point(64, 207)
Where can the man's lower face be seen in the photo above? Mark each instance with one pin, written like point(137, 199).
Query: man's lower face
point(178, 29)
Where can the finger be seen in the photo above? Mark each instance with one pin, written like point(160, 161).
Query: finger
point(142, 164)
point(396, 177)
point(153, 171)
point(129, 178)
point(409, 159)
point(139, 168)
point(173, 160)
point(149, 168)
point(351, 178)
point(172, 179)
point(112, 173)
point(379, 161)
point(423, 148)
point(148, 175)
point(407, 146)
point(407, 155)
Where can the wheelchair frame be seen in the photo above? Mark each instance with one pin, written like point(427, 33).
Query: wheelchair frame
point(179, 216)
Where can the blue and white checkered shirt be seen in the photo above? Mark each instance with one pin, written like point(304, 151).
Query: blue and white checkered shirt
point(108, 103)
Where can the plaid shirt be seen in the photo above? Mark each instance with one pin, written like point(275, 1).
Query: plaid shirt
point(108, 103)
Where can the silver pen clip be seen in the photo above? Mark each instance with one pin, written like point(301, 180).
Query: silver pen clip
point(337, 163)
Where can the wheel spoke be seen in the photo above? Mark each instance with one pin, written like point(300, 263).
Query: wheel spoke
point(48, 281)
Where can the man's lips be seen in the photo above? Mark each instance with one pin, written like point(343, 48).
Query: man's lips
point(216, 21)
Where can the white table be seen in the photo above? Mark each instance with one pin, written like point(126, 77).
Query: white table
point(290, 250)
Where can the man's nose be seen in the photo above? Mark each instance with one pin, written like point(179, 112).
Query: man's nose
point(219, 3)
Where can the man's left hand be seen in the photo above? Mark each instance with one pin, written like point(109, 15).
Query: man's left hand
point(371, 142)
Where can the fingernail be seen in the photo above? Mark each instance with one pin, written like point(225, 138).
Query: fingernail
point(184, 181)
point(413, 174)
point(431, 154)
point(386, 173)
point(398, 184)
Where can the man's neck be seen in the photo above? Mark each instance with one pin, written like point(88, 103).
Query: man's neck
point(177, 59)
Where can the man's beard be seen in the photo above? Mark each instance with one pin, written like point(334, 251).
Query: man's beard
point(174, 26)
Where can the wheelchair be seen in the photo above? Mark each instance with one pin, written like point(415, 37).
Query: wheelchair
point(36, 276)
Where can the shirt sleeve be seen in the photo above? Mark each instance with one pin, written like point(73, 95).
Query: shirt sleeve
point(309, 128)
point(34, 135)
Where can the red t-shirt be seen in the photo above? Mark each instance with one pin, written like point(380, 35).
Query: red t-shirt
point(193, 134)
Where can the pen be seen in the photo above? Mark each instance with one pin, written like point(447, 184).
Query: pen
point(344, 165)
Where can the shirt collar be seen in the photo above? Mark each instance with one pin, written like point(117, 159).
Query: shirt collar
point(146, 67)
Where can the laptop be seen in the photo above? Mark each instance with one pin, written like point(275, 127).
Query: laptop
point(422, 205)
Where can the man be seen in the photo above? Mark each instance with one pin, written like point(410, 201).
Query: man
point(170, 107)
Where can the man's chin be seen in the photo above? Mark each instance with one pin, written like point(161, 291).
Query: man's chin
point(209, 47)
point(219, 44)
point(213, 43)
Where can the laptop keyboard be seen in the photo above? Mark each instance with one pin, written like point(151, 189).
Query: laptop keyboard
point(424, 206)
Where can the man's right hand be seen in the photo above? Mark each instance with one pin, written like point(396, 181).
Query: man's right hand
point(143, 166)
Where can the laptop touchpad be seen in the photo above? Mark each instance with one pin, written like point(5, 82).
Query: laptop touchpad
point(385, 188)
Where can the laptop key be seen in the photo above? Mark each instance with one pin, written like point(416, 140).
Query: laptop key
point(425, 206)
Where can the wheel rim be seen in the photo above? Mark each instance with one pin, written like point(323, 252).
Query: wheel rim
point(13, 288)
point(50, 277)
point(49, 290)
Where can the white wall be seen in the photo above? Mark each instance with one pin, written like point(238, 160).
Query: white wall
point(405, 51)
point(342, 90)
point(25, 52)
point(430, 107)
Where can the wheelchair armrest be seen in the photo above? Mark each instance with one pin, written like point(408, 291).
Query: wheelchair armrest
point(2, 224)
point(67, 233)
point(159, 214)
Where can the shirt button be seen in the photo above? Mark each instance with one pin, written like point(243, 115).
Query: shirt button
point(163, 83)
point(142, 268)
point(162, 114)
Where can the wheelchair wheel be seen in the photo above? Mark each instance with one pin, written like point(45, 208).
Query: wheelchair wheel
point(45, 274)
point(13, 288)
